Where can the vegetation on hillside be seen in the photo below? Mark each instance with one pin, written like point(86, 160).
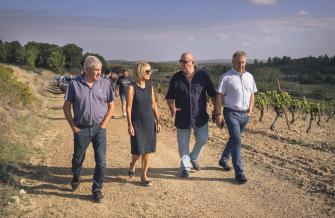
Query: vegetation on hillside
point(312, 77)
point(17, 123)
point(281, 101)
point(68, 58)
point(12, 91)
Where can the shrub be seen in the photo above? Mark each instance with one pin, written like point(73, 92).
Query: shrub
point(13, 92)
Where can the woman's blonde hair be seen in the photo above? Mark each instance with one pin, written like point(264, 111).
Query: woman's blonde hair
point(140, 68)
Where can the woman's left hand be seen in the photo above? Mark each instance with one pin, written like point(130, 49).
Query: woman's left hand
point(158, 127)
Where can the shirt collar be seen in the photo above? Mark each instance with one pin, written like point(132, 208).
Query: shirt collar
point(236, 72)
point(83, 80)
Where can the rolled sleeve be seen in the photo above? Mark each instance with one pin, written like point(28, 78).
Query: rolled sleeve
point(69, 95)
point(254, 86)
point(210, 87)
point(171, 91)
point(222, 85)
point(110, 93)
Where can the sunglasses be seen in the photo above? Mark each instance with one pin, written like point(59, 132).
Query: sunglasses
point(184, 62)
point(148, 72)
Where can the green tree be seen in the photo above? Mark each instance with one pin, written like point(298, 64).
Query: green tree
point(45, 49)
point(20, 56)
point(279, 101)
point(30, 59)
point(55, 60)
point(73, 57)
point(3, 52)
point(16, 53)
point(330, 110)
point(262, 103)
point(294, 107)
point(32, 53)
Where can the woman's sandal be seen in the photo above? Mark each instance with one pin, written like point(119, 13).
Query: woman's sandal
point(146, 182)
point(131, 174)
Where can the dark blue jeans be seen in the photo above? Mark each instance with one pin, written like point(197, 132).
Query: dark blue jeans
point(82, 139)
point(236, 122)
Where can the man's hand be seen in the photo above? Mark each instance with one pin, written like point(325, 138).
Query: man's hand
point(103, 125)
point(173, 111)
point(219, 121)
point(131, 131)
point(75, 129)
point(158, 127)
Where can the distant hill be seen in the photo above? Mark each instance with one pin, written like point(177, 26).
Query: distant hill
point(204, 61)
point(120, 61)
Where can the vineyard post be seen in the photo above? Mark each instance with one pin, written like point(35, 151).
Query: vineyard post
point(287, 122)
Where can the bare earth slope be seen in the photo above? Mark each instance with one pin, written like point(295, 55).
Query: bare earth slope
point(288, 178)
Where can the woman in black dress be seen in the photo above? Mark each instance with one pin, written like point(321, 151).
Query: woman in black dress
point(143, 119)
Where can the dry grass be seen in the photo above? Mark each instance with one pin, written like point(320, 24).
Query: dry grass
point(21, 126)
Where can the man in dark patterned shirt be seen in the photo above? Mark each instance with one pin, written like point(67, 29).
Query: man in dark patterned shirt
point(187, 101)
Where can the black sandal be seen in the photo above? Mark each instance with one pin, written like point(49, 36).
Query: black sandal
point(146, 182)
point(131, 174)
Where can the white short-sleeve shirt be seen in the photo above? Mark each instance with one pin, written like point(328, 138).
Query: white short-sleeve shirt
point(236, 89)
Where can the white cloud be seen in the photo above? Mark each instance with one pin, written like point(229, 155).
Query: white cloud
point(263, 2)
point(302, 13)
point(272, 40)
point(223, 36)
point(250, 38)
point(191, 38)
point(298, 24)
point(246, 43)
point(119, 38)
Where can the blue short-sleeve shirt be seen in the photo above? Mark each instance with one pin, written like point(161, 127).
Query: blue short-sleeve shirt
point(123, 83)
point(89, 104)
point(191, 98)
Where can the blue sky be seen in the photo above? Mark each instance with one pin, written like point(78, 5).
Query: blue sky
point(156, 30)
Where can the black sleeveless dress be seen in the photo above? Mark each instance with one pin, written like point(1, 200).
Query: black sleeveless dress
point(143, 120)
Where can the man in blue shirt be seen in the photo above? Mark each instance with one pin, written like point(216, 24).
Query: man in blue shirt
point(187, 101)
point(236, 88)
point(92, 99)
point(121, 89)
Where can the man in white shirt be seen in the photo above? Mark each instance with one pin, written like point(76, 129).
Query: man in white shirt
point(235, 90)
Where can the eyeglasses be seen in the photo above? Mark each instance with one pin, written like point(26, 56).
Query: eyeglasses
point(184, 61)
point(148, 72)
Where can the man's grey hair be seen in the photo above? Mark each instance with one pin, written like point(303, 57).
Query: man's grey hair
point(90, 62)
point(238, 54)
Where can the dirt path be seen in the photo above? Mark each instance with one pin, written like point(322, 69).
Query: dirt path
point(208, 193)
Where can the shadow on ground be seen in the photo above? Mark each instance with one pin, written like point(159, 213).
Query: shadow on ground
point(55, 180)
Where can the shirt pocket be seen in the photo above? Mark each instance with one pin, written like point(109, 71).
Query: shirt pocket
point(101, 95)
point(248, 85)
point(197, 91)
point(234, 87)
